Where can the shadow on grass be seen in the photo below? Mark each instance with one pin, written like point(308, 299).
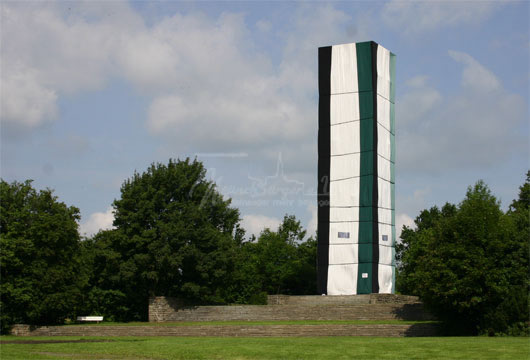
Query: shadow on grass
point(423, 330)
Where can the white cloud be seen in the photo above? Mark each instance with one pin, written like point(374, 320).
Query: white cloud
point(475, 76)
point(418, 17)
point(419, 101)
point(25, 102)
point(476, 127)
point(229, 99)
point(223, 96)
point(211, 86)
point(254, 224)
point(148, 61)
point(50, 49)
point(96, 222)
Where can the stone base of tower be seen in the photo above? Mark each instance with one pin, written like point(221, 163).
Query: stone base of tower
point(342, 299)
point(284, 316)
point(286, 308)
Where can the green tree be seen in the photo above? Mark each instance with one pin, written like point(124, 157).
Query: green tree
point(513, 312)
point(40, 266)
point(245, 284)
point(101, 262)
point(468, 264)
point(277, 262)
point(276, 254)
point(412, 249)
point(285, 262)
point(176, 236)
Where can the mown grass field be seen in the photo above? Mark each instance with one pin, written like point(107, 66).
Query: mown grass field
point(266, 348)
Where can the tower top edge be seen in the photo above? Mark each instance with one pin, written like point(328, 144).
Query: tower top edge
point(355, 43)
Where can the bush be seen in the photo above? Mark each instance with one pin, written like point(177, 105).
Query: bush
point(469, 264)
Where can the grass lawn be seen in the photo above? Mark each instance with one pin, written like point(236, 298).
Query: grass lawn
point(267, 348)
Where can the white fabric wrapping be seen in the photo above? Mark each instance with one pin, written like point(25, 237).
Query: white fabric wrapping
point(386, 250)
point(343, 69)
point(386, 255)
point(344, 192)
point(346, 138)
point(383, 141)
point(342, 280)
point(343, 254)
point(343, 214)
point(385, 216)
point(345, 227)
point(385, 229)
point(345, 171)
point(385, 278)
point(345, 107)
point(345, 166)
point(383, 168)
point(383, 72)
point(385, 194)
point(383, 112)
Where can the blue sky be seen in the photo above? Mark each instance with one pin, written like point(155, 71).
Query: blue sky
point(92, 91)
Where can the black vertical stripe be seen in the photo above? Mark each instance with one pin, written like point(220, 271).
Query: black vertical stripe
point(324, 152)
point(375, 195)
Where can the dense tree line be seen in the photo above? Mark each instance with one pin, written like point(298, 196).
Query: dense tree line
point(175, 235)
point(39, 258)
point(469, 263)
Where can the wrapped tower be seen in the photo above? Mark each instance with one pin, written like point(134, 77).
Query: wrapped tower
point(356, 157)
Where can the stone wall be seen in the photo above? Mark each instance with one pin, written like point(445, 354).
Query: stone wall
point(387, 330)
point(162, 308)
point(363, 307)
point(22, 330)
point(281, 307)
point(342, 300)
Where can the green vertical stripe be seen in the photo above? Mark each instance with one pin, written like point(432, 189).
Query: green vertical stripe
point(365, 187)
point(365, 231)
point(366, 110)
point(364, 285)
point(365, 253)
point(367, 141)
point(367, 164)
point(364, 66)
point(366, 105)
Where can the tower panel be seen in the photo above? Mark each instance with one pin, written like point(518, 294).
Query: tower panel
point(356, 155)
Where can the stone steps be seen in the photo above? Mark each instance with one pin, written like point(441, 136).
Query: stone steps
point(341, 299)
point(358, 307)
point(383, 330)
point(411, 312)
point(281, 307)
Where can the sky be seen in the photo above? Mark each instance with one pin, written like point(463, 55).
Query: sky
point(92, 91)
